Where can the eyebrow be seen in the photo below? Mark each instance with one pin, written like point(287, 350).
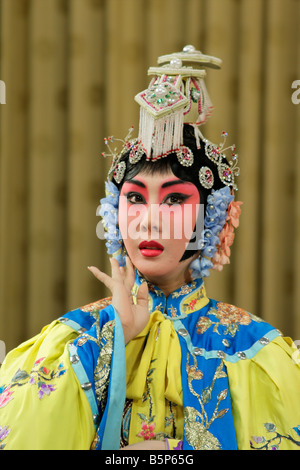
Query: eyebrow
point(164, 185)
point(172, 183)
point(136, 182)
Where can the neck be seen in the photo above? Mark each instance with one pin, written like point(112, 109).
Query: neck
point(167, 286)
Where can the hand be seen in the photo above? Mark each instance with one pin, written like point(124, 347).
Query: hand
point(147, 445)
point(133, 317)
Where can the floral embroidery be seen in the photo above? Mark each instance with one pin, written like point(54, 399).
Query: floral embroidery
point(273, 443)
point(186, 289)
point(170, 420)
point(5, 396)
point(147, 430)
point(192, 303)
point(228, 315)
point(195, 301)
point(105, 338)
point(95, 307)
point(148, 424)
point(126, 423)
point(39, 376)
point(173, 311)
point(3, 435)
point(197, 422)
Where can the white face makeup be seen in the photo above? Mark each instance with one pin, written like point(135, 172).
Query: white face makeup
point(157, 216)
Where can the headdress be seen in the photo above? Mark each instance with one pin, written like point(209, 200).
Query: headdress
point(177, 96)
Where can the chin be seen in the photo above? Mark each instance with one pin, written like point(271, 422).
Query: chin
point(157, 268)
point(153, 270)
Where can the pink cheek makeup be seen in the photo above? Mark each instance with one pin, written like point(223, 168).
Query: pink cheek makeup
point(171, 216)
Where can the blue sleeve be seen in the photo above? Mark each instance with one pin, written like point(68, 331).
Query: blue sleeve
point(98, 359)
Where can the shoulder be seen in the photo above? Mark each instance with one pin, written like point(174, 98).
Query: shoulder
point(85, 317)
point(55, 337)
point(233, 332)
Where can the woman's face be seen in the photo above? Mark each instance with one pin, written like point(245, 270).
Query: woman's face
point(157, 217)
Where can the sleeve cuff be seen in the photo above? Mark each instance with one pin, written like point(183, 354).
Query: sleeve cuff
point(174, 444)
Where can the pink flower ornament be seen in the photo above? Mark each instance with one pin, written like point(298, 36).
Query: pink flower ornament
point(226, 236)
point(234, 212)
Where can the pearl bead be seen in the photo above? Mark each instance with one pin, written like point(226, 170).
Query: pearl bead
point(189, 49)
point(160, 91)
point(176, 62)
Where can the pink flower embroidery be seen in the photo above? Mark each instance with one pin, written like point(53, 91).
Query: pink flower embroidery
point(192, 303)
point(147, 431)
point(39, 360)
point(5, 397)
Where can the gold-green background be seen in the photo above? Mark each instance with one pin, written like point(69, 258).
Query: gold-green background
point(71, 69)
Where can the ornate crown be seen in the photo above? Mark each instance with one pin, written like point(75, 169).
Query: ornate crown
point(176, 96)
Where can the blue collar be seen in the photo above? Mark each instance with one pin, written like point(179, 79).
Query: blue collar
point(181, 302)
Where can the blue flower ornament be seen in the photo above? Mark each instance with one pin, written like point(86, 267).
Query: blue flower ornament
point(109, 212)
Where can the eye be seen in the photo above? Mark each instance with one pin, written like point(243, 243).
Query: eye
point(175, 199)
point(135, 198)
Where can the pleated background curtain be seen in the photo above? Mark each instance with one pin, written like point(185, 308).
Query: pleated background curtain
point(71, 69)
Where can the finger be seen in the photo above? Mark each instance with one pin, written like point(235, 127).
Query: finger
point(142, 294)
point(102, 277)
point(130, 275)
point(122, 272)
point(115, 270)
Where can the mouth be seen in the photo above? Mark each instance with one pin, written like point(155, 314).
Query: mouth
point(150, 249)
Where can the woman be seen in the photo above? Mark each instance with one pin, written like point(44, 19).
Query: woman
point(158, 365)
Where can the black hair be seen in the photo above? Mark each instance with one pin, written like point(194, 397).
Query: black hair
point(190, 174)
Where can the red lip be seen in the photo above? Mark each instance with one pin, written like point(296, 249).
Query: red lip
point(150, 244)
point(151, 249)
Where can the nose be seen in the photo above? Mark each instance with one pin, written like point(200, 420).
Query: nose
point(150, 222)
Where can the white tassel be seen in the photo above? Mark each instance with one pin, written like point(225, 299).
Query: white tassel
point(198, 136)
point(160, 135)
point(206, 104)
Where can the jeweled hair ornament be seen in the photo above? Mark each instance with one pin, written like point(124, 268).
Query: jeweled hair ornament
point(176, 95)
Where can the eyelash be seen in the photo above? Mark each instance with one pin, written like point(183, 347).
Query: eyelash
point(131, 195)
point(179, 196)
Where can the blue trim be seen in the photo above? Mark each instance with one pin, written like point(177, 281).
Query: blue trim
point(233, 358)
point(71, 323)
point(116, 392)
point(83, 378)
point(257, 346)
point(178, 325)
point(174, 319)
